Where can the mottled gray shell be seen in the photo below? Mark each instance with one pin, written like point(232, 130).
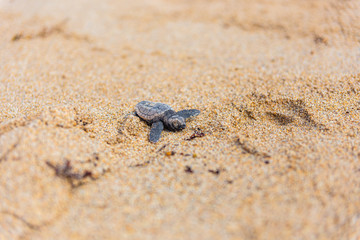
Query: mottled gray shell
point(150, 111)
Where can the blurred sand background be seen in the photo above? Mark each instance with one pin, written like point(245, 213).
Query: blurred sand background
point(278, 84)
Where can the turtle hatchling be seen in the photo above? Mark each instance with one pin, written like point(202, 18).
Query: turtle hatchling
point(160, 115)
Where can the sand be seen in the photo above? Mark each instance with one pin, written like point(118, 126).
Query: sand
point(278, 86)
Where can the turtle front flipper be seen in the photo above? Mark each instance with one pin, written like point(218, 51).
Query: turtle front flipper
point(188, 113)
point(155, 132)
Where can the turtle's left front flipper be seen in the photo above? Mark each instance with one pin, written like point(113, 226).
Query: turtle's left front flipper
point(155, 132)
point(188, 113)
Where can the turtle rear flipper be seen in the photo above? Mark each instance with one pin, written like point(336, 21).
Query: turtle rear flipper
point(155, 132)
point(188, 113)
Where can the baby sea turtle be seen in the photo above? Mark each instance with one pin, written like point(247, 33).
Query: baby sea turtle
point(159, 115)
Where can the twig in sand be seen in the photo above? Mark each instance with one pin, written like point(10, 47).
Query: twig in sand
point(188, 169)
point(197, 133)
point(65, 170)
point(215, 172)
point(4, 156)
point(160, 149)
point(26, 222)
point(43, 33)
point(144, 164)
point(250, 150)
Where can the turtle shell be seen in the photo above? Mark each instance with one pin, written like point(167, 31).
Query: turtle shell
point(151, 111)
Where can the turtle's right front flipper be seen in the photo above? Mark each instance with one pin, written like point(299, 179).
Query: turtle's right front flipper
point(155, 132)
point(188, 113)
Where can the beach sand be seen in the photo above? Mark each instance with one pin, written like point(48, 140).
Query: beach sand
point(278, 86)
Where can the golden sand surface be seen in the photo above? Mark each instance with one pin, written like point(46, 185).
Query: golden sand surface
point(278, 86)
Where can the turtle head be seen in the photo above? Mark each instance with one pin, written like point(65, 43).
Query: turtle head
point(177, 122)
